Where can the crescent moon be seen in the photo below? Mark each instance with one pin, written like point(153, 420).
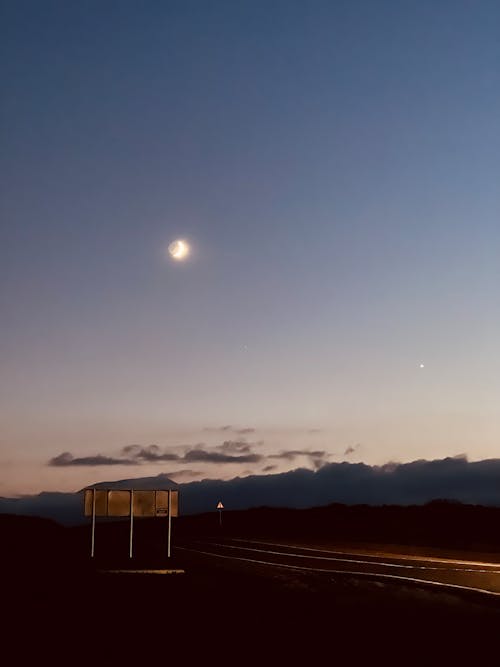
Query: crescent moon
point(178, 249)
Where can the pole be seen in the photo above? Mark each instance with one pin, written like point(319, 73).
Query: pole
point(220, 507)
point(169, 522)
point(131, 523)
point(93, 525)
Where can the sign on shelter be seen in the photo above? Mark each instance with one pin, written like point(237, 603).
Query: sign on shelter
point(118, 503)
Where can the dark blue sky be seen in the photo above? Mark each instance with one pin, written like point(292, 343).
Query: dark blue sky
point(335, 167)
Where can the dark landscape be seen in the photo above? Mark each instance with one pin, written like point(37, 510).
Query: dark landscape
point(215, 604)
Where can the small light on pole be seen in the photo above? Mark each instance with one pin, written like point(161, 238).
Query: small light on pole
point(220, 507)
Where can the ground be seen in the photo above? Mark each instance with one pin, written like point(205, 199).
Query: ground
point(61, 605)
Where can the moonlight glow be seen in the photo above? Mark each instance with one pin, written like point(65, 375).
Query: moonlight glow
point(178, 250)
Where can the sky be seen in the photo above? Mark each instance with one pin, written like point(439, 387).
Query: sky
point(334, 166)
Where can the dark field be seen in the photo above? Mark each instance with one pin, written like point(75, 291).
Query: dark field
point(61, 605)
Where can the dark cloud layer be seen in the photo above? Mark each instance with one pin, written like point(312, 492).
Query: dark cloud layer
point(413, 483)
point(353, 483)
point(409, 483)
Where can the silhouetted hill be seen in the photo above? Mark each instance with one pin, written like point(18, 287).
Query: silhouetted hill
point(62, 507)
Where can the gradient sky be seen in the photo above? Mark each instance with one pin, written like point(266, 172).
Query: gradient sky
point(335, 166)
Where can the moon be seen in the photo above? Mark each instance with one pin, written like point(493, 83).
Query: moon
point(178, 250)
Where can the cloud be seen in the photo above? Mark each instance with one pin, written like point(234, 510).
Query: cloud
point(67, 459)
point(317, 458)
point(230, 451)
point(132, 449)
point(218, 429)
point(219, 457)
point(236, 447)
point(228, 427)
point(269, 468)
point(351, 450)
point(149, 454)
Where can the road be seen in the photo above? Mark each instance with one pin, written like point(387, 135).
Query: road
point(475, 576)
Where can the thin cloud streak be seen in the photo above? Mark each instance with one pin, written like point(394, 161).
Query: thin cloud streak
point(218, 429)
point(231, 452)
point(67, 459)
point(318, 458)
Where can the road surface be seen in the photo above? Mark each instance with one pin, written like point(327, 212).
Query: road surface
point(460, 575)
